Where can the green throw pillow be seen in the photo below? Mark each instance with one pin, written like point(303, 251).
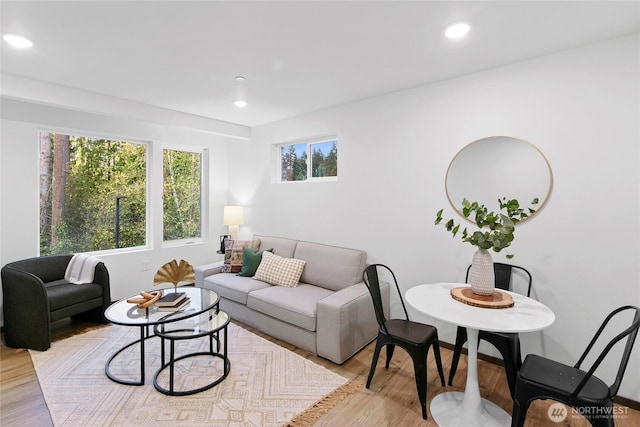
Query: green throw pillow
point(250, 261)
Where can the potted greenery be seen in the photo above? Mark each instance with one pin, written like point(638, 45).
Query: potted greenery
point(496, 232)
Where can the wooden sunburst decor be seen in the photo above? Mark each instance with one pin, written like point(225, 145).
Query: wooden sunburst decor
point(175, 273)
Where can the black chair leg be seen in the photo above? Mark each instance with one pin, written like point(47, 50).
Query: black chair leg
point(436, 353)
point(390, 349)
point(512, 375)
point(519, 412)
point(461, 338)
point(420, 369)
point(509, 349)
point(374, 362)
point(512, 363)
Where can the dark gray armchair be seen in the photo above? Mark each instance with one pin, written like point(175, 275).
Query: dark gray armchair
point(35, 294)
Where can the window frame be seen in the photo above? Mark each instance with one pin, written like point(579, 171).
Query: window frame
point(204, 201)
point(309, 142)
point(148, 174)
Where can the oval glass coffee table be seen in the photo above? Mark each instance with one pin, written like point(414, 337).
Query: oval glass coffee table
point(201, 301)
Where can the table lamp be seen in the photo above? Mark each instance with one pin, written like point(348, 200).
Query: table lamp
point(233, 217)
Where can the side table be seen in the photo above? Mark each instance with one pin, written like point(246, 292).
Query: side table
point(187, 329)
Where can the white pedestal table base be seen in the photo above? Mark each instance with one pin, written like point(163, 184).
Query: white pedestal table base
point(446, 410)
point(468, 409)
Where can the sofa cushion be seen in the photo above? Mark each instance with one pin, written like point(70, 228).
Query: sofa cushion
point(250, 261)
point(64, 294)
point(233, 287)
point(296, 306)
point(280, 271)
point(281, 246)
point(233, 254)
point(331, 267)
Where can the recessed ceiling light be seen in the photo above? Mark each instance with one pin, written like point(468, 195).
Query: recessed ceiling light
point(17, 41)
point(458, 30)
point(240, 103)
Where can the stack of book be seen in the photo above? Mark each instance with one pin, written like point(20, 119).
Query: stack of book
point(172, 302)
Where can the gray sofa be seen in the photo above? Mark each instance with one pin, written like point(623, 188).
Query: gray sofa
point(329, 313)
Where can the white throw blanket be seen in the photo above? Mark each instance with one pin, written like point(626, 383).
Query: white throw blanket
point(81, 269)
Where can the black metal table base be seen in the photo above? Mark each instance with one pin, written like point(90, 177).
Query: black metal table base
point(144, 335)
point(213, 335)
point(172, 392)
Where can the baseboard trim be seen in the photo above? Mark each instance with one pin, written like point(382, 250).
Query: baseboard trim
point(624, 401)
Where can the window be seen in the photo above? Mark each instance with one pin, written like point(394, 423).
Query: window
point(309, 161)
point(182, 194)
point(93, 194)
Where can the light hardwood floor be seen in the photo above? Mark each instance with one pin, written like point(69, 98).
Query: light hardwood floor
point(391, 401)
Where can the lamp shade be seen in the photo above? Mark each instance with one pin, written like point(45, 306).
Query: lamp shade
point(233, 215)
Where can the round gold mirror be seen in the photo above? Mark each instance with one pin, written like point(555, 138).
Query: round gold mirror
point(499, 166)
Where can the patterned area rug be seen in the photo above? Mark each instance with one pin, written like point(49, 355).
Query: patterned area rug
point(267, 386)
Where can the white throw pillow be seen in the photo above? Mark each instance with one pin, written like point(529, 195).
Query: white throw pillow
point(280, 271)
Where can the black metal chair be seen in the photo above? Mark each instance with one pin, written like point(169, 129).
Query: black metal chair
point(508, 344)
point(415, 338)
point(542, 378)
point(35, 294)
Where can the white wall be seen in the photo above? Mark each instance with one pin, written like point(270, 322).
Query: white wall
point(19, 220)
point(579, 107)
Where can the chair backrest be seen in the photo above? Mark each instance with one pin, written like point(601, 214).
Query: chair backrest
point(371, 279)
point(46, 268)
point(630, 333)
point(503, 274)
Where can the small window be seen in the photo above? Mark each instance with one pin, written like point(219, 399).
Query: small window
point(309, 161)
point(182, 194)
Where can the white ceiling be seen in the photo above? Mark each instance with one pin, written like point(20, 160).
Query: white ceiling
point(297, 56)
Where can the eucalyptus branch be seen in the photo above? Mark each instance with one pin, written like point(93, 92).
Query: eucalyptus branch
point(501, 226)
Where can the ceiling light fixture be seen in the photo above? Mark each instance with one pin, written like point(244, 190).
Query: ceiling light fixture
point(458, 30)
point(17, 41)
point(240, 101)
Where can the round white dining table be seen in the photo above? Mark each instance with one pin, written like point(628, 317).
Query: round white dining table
point(468, 408)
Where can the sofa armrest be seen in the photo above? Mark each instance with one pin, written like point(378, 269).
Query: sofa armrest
point(26, 310)
point(206, 270)
point(101, 277)
point(346, 321)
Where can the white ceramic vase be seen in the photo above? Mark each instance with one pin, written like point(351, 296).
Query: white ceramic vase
point(481, 276)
